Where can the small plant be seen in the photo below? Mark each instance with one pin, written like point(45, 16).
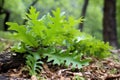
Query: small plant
point(55, 37)
point(78, 78)
point(33, 63)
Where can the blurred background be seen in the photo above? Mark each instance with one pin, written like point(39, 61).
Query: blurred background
point(102, 19)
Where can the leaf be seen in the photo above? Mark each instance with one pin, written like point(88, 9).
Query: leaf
point(67, 58)
point(38, 28)
point(33, 63)
point(22, 34)
point(33, 15)
point(19, 47)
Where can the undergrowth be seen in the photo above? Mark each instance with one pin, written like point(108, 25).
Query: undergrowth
point(6, 40)
point(54, 36)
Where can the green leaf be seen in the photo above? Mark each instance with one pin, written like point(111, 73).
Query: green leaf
point(33, 15)
point(19, 47)
point(33, 63)
point(23, 34)
point(67, 58)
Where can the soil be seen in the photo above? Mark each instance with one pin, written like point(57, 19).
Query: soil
point(12, 67)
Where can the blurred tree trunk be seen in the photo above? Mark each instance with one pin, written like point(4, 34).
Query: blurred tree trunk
point(84, 8)
point(109, 22)
point(7, 15)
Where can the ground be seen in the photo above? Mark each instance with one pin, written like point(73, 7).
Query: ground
point(12, 67)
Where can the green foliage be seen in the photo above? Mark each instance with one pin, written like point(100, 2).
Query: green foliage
point(93, 47)
point(65, 57)
point(33, 14)
point(77, 77)
point(33, 63)
point(6, 35)
point(23, 34)
point(2, 46)
point(6, 39)
point(56, 38)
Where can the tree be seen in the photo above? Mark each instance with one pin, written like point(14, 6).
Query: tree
point(84, 8)
point(118, 21)
point(109, 22)
point(7, 15)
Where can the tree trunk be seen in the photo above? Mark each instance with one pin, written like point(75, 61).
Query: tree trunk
point(109, 22)
point(7, 15)
point(84, 8)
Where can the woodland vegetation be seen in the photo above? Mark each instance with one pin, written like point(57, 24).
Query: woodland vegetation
point(59, 39)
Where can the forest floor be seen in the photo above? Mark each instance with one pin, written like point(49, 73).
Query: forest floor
point(12, 67)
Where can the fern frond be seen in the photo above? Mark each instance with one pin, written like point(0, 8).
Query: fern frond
point(67, 58)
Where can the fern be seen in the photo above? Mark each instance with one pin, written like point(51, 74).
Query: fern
point(55, 37)
point(23, 34)
point(33, 63)
point(67, 59)
point(94, 47)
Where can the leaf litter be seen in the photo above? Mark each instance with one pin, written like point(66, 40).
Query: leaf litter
point(105, 69)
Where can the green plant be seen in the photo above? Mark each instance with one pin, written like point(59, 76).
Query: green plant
point(6, 40)
point(78, 78)
point(93, 47)
point(33, 63)
point(56, 38)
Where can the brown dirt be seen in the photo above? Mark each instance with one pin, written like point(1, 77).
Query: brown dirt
point(12, 67)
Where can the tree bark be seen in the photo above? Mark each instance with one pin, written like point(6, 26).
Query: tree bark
point(109, 22)
point(84, 8)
